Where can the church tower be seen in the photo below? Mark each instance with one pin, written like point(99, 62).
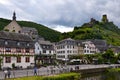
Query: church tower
point(14, 16)
point(13, 26)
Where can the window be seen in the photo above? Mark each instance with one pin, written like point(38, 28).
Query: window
point(44, 51)
point(6, 43)
point(48, 47)
point(19, 31)
point(13, 30)
point(49, 51)
point(87, 51)
point(27, 59)
point(44, 46)
point(67, 46)
point(67, 51)
point(18, 50)
point(38, 48)
point(40, 52)
point(27, 50)
point(18, 59)
point(73, 47)
point(8, 59)
point(27, 44)
point(8, 49)
point(18, 44)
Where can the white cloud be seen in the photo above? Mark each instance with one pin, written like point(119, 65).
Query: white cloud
point(61, 28)
point(5, 2)
point(67, 13)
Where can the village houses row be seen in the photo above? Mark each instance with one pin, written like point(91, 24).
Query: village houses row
point(19, 45)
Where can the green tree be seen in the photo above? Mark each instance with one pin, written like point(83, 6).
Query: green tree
point(0, 62)
point(13, 65)
point(118, 57)
point(109, 56)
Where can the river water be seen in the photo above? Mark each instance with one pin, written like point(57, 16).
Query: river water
point(102, 76)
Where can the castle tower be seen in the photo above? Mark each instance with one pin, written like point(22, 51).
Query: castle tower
point(104, 18)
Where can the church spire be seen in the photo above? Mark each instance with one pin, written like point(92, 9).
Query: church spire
point(14, 16)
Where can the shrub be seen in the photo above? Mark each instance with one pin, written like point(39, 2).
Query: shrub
point(67, 76)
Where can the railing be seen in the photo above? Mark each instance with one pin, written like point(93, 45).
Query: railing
point(30, 72)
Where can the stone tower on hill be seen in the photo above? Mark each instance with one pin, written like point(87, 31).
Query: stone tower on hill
point(13, 26)
point(104, 18)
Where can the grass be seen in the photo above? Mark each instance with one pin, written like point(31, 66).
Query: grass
point(114, 70)
point(27, 78)
point(64, 76)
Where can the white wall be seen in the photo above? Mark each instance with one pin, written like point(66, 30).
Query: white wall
point(38, 48)
point(14, 60)
point(73, 51)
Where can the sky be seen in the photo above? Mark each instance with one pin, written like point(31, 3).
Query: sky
point(61, 15)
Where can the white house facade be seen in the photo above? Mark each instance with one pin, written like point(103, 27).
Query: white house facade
point(44, 47)
point(89, 47)
point(65, 48)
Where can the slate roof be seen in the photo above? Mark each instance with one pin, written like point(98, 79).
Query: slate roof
point(67, 41)
point(44, 42)
point(2, 42)
point(100, 44)
point(46, 45)
point(28, 29)
point(80, 43)
point(15, 40)
point(14, 36)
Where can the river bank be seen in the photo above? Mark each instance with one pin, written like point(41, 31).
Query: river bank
point(64, 76)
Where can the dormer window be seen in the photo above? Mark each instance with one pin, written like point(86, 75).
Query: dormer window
point(47, 47)
point(18, 44)
point(27, 44)
point(6, 43)
point(43, 46)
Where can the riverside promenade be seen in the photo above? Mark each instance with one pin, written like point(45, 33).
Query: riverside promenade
point(52, 70)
